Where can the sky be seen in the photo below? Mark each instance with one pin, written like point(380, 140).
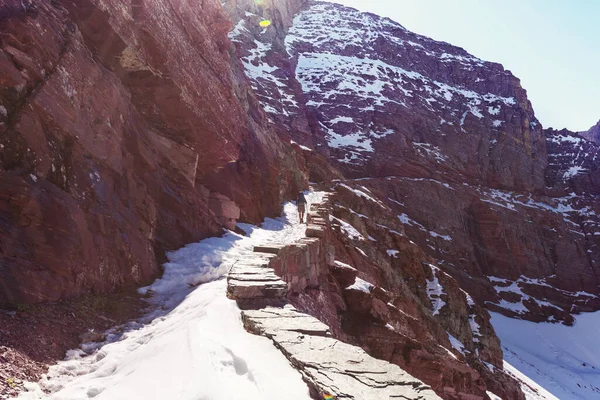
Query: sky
point(553, 46)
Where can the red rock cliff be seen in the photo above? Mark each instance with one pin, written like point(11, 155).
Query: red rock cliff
point(125, 131)
point(448, 142)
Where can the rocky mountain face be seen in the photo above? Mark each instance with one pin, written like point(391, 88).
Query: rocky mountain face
point(125, 131)
point(574, 164)
point(386, 295)
point(128, 128)
point(448, 143)
point(378, 99)
point(447, 187)
point(593, 134)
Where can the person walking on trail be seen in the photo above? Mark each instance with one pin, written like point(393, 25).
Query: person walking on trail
point(301, 203)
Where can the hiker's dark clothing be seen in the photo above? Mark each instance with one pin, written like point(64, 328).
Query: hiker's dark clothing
point(301, 203)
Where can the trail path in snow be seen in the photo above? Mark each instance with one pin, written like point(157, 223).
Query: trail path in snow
point(191, 345)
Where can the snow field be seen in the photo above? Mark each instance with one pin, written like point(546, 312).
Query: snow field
point(564, 360)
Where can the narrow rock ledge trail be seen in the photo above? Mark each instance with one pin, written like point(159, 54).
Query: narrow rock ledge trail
point(191, 344)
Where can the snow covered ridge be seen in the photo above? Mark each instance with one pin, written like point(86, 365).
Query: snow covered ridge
point(320, 17)
point(351, 64)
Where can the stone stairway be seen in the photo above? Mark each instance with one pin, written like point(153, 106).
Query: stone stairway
point(253, 283)
point(261, 282)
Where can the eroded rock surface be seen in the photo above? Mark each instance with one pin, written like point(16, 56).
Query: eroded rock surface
point(450, 147)
point(413, 315)
point(330, 366)
point(126, 129)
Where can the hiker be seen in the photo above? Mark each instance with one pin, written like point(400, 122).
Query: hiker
point(301, 203)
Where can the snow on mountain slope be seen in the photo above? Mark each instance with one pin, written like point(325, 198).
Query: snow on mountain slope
point(192, 345)
point(364, 90)
point(532, 390)
point(563, 360)
point(338, 63)
point(452, 141)
point(573, 160)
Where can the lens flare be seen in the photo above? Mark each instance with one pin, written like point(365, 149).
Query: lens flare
point(328, 397)
point(265, 23)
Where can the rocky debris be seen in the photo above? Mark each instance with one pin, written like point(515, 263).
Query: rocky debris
point(328, 365)
point(119, 142)
point(32, 337)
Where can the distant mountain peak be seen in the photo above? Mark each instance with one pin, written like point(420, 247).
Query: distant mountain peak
point(593, 134)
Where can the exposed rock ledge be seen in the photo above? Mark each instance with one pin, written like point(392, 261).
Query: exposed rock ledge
point(328, 365)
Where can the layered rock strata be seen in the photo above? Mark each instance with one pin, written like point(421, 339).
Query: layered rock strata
point(126, 129)
point(329, 366)
point(438, 335)
point(448, 143)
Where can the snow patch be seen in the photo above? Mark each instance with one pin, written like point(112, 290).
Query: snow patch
point(435, 290)
point(362, 285)
point(456, 344)
point(344, 265)
point(437, 235)
point(301, 146)
point(350, 231)
point(572, 171)
point(362, 194)
point(392, 253)
point(431, 151)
